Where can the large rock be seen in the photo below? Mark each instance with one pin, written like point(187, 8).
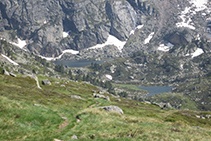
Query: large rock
point(5, 72)
point(112, 108)
point(46, 82)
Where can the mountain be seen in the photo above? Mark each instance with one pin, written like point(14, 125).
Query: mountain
point(49, 27)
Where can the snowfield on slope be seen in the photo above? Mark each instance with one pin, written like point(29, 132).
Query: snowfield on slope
point(110, 41)
point(189, 12)
point(147, 40)
point(10, 60)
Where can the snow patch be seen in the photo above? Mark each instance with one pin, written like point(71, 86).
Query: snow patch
point(147, 40)
point(109, 76)
point(166, 47)
point(138, 27)
point(182, 66)
point(198, 52)
point(44, 22)
point(60, 56)
point(20, 44)
point(199, 4)
point(10, 60)
point(65, 34)
point(186, 20)
point(110, 41)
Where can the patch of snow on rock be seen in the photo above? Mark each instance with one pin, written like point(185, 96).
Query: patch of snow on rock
point(166, 47)
point(65, 34)
point(110, 41)
point(60, 56)
point(198, 52)
point(10, 60)
point(184, 17)
point(20, 44)
point(109, 76)
point(147, 40)
point(138, 27)
point(199, 4)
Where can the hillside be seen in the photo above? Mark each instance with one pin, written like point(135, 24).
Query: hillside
point(50, 113)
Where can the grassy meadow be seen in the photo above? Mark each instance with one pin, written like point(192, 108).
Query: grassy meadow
point(30, 113)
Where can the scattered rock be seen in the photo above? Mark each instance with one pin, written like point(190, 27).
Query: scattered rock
point(64, 118)
point(75, 96)
point(46, 82)
point(56, 83)
point(98, 95)
point(197, 116)
point(112, 108)
point(5, 72)
point(167, 106)
point(107, 98)
point(74, 137)
point(62, 85)
point(92, 136)
point(13, 75)
point(57, 140)
point(118, 100)
point(147, 102)
point(208, 116)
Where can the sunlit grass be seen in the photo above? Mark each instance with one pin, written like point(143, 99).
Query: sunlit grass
point(29, 113)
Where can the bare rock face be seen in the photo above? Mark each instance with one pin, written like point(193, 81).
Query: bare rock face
point(86, 23)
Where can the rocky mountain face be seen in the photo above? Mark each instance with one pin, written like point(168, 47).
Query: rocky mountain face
point(51, 26)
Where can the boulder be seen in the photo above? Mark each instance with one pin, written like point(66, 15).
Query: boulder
point(107, 98)
point(112, 108)
point(75, 96)
point(13, 75)
point(98, 95)
point(5, 72)
point(46, 82)
point(74, 137)
point(167, 106)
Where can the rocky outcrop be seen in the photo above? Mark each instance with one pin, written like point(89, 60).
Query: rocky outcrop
point(46, 82)
point(112, 108)
point(84, 23)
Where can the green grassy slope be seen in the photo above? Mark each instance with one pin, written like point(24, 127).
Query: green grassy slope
point(29, 113)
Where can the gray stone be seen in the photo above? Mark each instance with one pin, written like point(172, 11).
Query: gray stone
point(74, 137)
point(98, 95)
point(75, 96)
point(118, 100)
point(5, 72)
point(112, 108)
point(167, 106)
point(107, 98)
point(46, 82)
point(13, 75)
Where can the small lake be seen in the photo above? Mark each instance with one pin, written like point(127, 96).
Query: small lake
point(153, 90)
point(79, 63)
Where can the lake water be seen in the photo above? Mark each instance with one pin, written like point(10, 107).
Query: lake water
point(153, 90)
point(79, 63)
